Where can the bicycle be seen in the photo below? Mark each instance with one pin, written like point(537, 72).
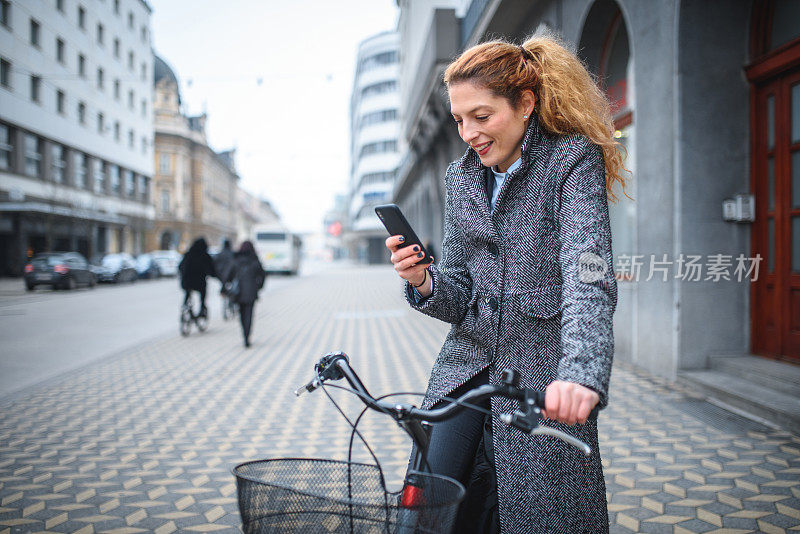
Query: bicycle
point(228, 303)
point(317, 495)
point(188, 317)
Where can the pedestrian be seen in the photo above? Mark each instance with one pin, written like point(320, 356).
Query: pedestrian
point(247, 276)
point(526, 208)
point(195, 267)
point(222, 263)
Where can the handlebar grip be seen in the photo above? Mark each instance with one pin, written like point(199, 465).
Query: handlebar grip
point(539, 399)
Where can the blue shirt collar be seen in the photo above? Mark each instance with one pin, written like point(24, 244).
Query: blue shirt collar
point(514, 166)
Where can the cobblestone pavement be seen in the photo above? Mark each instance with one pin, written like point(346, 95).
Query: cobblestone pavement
point(145, 441)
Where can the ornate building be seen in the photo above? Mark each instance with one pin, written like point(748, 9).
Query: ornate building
point(194, 187)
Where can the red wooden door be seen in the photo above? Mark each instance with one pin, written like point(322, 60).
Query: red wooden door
point(776, 231)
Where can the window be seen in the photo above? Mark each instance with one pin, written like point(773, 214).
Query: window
point(6, 147)
point(165, 201)
point(33, 156)
point(100, 78)
point(377, 177)
point(36, 85)
point(57, 163)
point(379, 88)
point(81, 18)
point(130, 60)
point(144, 107)
point(377, 117)
point(81, 169)
point(99, 175)
point(60, 5)
point(144, 188)
point(116, 48)
point(82, 113)
point(116, 89)
point(60, 50)
point(164, 163)
point(5, 73)
point(81, 65)
point(116, 131)
point(378, 147)
point(100, 34)
point(130, 184)
point(116, 7)
point(131, 137)
point(113, 178)
point(5, 13)
point(144, 145)
point(130, 99)
point(130, 20)
point(35, 33)
point(101, 123)
point(60, 101)
point(144, 71)
point(378, 60)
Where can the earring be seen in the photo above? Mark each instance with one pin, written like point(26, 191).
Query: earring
point(525, 117)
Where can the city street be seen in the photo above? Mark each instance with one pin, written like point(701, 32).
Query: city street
point(136, 429)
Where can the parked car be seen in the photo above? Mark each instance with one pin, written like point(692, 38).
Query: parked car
point(61, 270)
point(167, 261)
point(147, 267)
point(117, 268)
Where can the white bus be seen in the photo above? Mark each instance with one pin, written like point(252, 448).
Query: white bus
point(277, 248)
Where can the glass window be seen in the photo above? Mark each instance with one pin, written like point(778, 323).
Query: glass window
point(81, 65)
point(36, 85)
point(116, 89)
point(130, 60)
point(60, 101)
point(130, 20)
point(6, 147)
point(34, 33)
point(379, 88)
point(5, 73)
point(130, 99)
point(82, 113)
point(796, 244)
point(116, 48)
point(131, 137)
point(116, 130)
point(165, 201)
point(164, 163)
point(57, 163)
point(771, 245)
point(378, 148)
point(100, 33)
point(130, 184)
point(99, 171)
point(144, 71)
point(33, 156)
point(116, 7)
point(770, 122)
point(81, 162)
point(796, 113)
point(144, 188)
point(60, 5)
point(60, 51)
point(81, 18)
point(101, 126)
point(784, 22)
point(377, 117)
point(770, 184)
point(796, 179)
point(378, 60)
point(5, 13)
point(113, 178)
point(100, 76)
point(144, 107)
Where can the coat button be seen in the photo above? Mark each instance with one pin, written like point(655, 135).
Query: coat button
point(493, 250)
point(492, 302)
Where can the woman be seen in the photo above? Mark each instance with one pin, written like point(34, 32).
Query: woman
point(247, 273)
point(195, 266)
point(526, 226)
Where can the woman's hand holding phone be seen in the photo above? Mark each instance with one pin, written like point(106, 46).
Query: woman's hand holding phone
point(406, 262)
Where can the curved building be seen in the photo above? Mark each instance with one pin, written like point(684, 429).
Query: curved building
point(375, 146)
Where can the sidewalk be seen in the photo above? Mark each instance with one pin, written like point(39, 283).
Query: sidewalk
point(145, 441)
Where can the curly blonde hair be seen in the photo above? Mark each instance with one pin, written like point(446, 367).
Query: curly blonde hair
point(568, 100)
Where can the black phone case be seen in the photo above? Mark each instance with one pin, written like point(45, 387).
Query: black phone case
point(396, 224)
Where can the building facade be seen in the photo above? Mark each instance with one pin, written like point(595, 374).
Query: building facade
point(375, 146)
point(252, 211)
point(194, 187)
point(706, 102)
point(76, 141)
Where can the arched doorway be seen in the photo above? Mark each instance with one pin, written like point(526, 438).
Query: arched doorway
point(774, 73)
point(166, 242)
point(605, 49)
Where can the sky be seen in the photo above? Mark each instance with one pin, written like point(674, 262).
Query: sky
point(275, 79)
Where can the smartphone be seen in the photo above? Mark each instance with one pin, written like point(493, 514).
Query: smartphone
point(396, 223)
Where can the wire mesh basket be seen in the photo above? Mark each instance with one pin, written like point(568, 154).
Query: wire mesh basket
point(327, 496)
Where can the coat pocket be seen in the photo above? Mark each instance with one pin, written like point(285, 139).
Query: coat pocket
point(541, 303)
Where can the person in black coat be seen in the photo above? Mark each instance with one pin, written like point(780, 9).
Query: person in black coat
point(195, 267)
point(223, 262)
point(247, 273)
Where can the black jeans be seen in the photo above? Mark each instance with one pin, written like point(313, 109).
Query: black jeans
point(202, 297)
point(246, 318)
point(458, 449)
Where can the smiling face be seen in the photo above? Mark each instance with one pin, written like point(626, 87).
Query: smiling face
point(489, 124)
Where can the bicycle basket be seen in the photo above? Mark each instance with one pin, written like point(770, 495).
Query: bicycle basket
point(321, 496)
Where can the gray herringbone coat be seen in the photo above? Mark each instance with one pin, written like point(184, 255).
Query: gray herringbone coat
point(548, 324)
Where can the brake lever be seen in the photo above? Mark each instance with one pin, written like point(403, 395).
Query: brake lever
point(325, 369)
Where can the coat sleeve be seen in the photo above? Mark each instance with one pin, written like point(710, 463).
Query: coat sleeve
point(589, 290)
point(452, 284)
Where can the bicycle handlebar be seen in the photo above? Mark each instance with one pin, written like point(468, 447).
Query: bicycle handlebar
point(335, 366)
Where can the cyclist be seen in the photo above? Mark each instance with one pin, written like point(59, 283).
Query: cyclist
point(195, 267)
point(249, 275)
point(525, 213)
